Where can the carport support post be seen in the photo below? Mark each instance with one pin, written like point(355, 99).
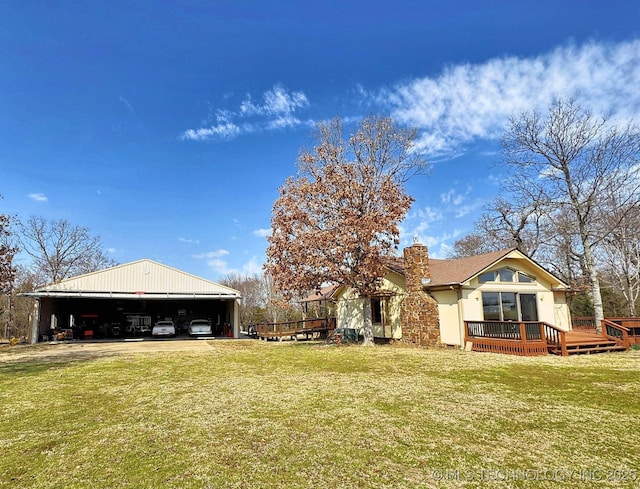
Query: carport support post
point(35, 323)
point(236, 319)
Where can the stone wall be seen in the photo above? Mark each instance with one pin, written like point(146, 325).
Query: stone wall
point(419, 311)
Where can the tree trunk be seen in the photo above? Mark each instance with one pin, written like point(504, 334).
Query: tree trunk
point(367, 330)
point(598, 310)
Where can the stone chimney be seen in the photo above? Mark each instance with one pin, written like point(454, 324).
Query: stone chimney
point(416, 266)
point(419, 311)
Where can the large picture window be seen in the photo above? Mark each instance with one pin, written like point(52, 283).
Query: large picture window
point(509, 306)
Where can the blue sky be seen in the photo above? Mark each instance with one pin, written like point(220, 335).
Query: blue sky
point(167, 127)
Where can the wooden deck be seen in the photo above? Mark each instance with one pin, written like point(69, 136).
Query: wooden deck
point(538, 338)
point(586, 342)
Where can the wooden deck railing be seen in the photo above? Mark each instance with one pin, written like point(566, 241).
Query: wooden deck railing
point(616, 332)
point(581, 323)
point(516, 338)
point(531, 338)
point(556, 337)
point(631, 324)
point(291, 328)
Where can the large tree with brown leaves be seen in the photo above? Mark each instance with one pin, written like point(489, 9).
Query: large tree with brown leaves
point(337, 220)
point(7, 251)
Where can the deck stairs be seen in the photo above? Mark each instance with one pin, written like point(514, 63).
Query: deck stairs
point(585, 343)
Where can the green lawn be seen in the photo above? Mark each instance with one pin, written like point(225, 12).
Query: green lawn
point(253, 414)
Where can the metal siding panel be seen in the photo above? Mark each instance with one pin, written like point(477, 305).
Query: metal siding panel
point(141, 276)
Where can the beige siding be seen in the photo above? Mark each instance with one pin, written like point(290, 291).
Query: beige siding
point(449, 316)
point(552, 307)
point(141, 276)
point(350, 306)
point(561, 312)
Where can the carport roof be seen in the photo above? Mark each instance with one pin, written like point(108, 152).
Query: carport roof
point(142, 279)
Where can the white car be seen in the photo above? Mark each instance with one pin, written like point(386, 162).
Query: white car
point(164, 328)
point(199, 327)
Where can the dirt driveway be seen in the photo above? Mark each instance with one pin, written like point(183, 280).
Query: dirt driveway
point(83, 349)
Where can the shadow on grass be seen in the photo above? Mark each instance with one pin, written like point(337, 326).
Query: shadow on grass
point(32, 360)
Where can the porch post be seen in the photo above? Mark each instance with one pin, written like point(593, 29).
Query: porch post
point(523, 333)
point(543, 335)
point(236, 319)
point(35, 323)
point(523, 339)
point(563, 344)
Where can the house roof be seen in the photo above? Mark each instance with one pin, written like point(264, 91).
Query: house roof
point(453, 272)
point(323, 294)
point(460, 270)
point(143, 279)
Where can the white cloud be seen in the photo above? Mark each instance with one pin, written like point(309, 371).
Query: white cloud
point(188, 241)
point(210, 254)
point(219, 266)
point(262, 233)
point(468, 102)
point(38, 197)
point(277, 102)
point(452, 197)
point(253, 266)
point(222, 268)
point(126, 103)
point(226, 130)
point(437, 244)
point(277, 111)
point(465, 210)
point(420, 221)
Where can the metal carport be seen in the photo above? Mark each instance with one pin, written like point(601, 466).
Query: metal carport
point(131, 295)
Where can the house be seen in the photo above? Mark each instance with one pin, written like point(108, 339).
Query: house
point(427, 301)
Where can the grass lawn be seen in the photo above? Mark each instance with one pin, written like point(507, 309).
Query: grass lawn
point(252, 414)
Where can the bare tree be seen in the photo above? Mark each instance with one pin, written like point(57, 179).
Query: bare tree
point(255, 296)
point(571, 162)
point(60, 250)
point(620, 254)
point(338, 219)
point(475, 243)
point(506, 223)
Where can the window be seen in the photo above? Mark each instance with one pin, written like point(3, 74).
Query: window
point(376, 310)
point(487, 277)
point(524, 279)
point(491, 306)
point(506, 275)
point(509, 306)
